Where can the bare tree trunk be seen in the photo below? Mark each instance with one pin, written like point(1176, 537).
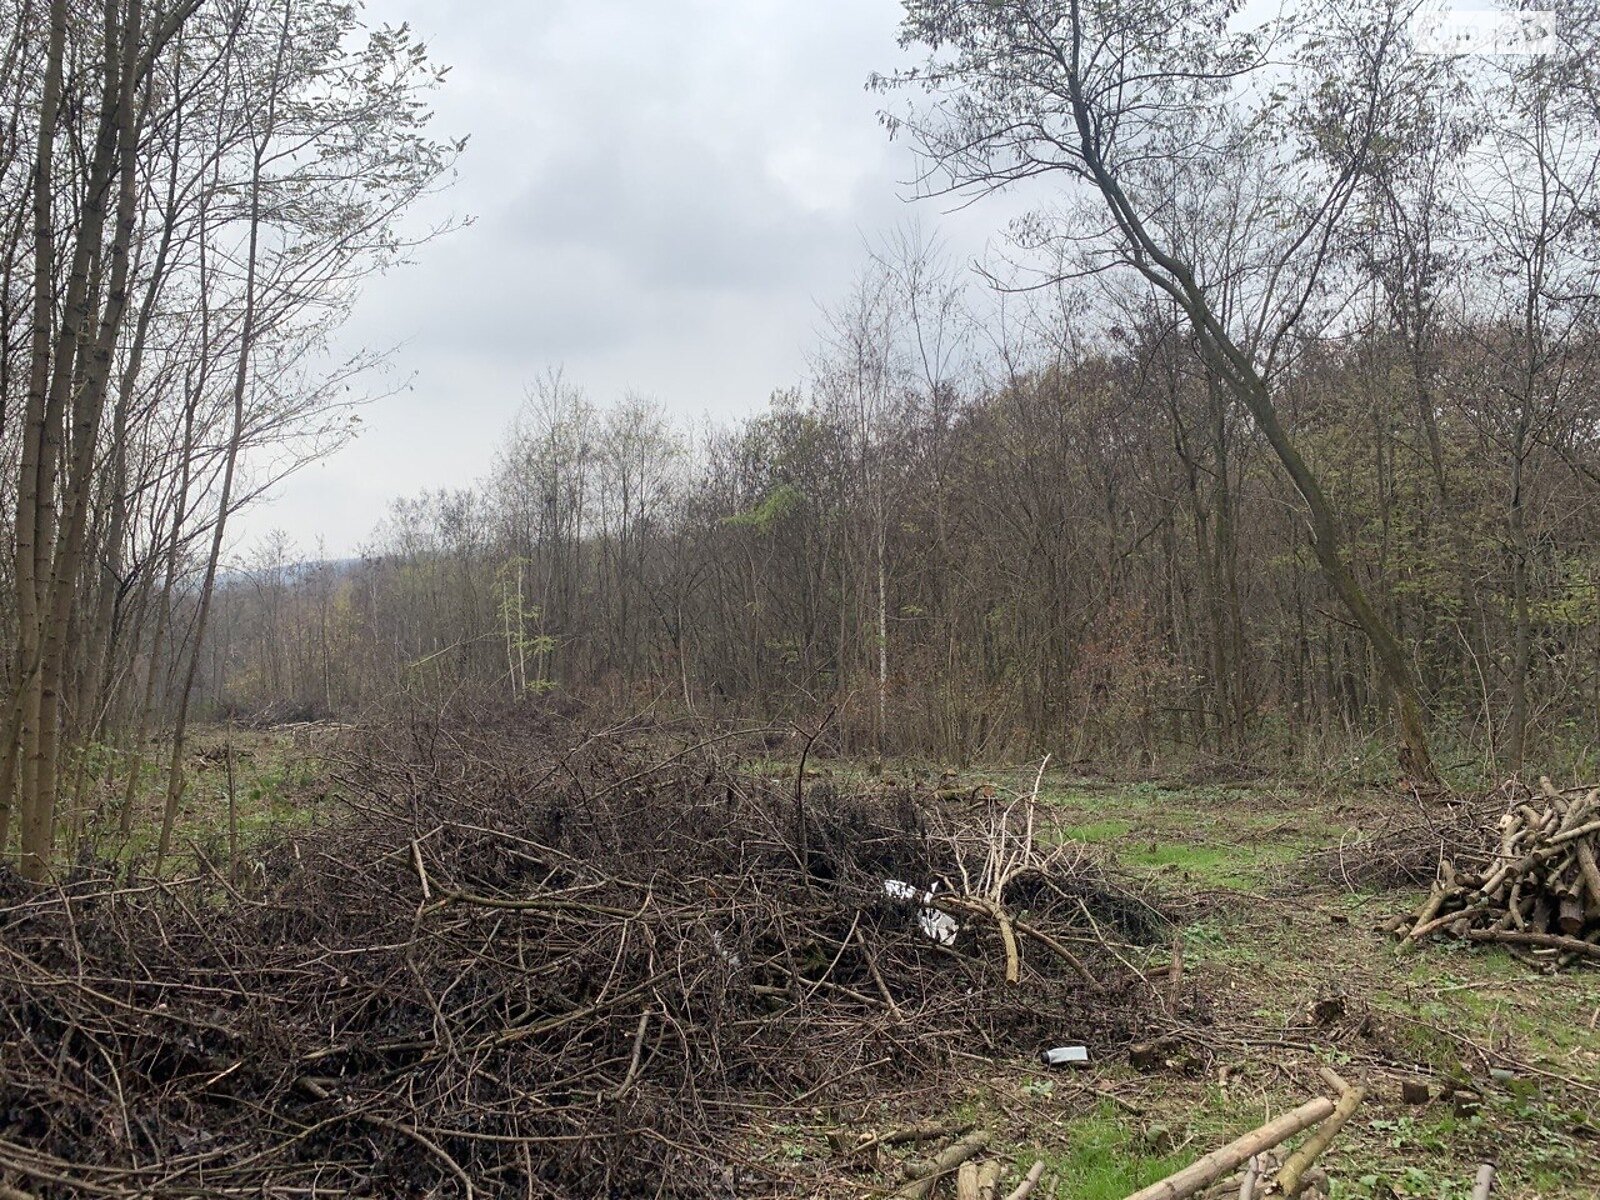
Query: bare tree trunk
point(118, 139)
point(1227, 574)
point(241, 379)
point(883, 622)
point(162, 623)
point(112, 582)
point(1522, 633)
point(23, 731)
point(1327, 542)
point(1234, 365)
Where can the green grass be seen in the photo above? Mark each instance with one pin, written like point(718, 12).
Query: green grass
point(1220, 940)
point(1096, 831)
point(1098, 799)
point(1241, 868)
point(1211, 864)
point(1106, 1159)
point(1548, 1016)
point(277, 787)
point(1236, 836)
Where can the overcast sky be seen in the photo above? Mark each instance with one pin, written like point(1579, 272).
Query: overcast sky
point(662, 194)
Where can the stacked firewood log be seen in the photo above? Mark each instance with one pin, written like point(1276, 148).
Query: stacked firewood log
point(1539, 891)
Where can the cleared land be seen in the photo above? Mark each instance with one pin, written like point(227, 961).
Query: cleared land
point(1285, 971)
point(600, 959)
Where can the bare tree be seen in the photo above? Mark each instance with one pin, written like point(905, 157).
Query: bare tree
point(1130, 98)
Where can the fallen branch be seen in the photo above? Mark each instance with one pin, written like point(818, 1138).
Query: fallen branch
point(927, 1132)
point(1236, 1153)
point(1553, 941)
point(1291, 1177)
point(1030, 1181)
point(970, 906)
point(1252, 1177)
point(1333, 1079)
point(925, 1175)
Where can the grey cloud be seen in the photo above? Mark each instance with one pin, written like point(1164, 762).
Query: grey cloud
point(674, 216)
point(501, 299)
point(664, 191)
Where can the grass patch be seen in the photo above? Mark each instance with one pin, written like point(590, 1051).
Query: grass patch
point(1220, 940)
point(1216, 836)
point(1076, 798)
point(1096, 831)
point(1105, 1159)
point(278, 786)
point(1219, 866)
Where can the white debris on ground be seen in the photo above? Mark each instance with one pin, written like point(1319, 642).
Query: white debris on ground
point(728, 956)
point(940, 926)
point(1066, 1056)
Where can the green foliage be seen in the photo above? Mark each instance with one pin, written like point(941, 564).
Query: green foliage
point(1096, 831)
point(1411, 1182)
point(516, 615)
point(1578, 603)
point(781, 501)
point(1106, 1159)
point(97, 760)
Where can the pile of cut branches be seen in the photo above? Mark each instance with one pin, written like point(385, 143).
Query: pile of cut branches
point(1402, 845)
point(523, 962)
point(1537, 889)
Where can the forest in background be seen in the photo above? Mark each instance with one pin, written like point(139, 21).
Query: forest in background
point(1270, 437)
point(1138, 686)
point(1092, 555)
point(1028, 513)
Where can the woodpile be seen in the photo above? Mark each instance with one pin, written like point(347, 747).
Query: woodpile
point(1538, 891)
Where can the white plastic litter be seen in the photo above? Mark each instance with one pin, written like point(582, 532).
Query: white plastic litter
point(728, 956)
point(1066, 1056)
point(941, 927)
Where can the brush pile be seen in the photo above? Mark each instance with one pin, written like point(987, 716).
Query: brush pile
point(521, 963)
point(1534, 886)
point(1401, 844)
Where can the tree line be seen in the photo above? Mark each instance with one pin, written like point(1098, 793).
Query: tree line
point(1270, 432)
point(1274, 430)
